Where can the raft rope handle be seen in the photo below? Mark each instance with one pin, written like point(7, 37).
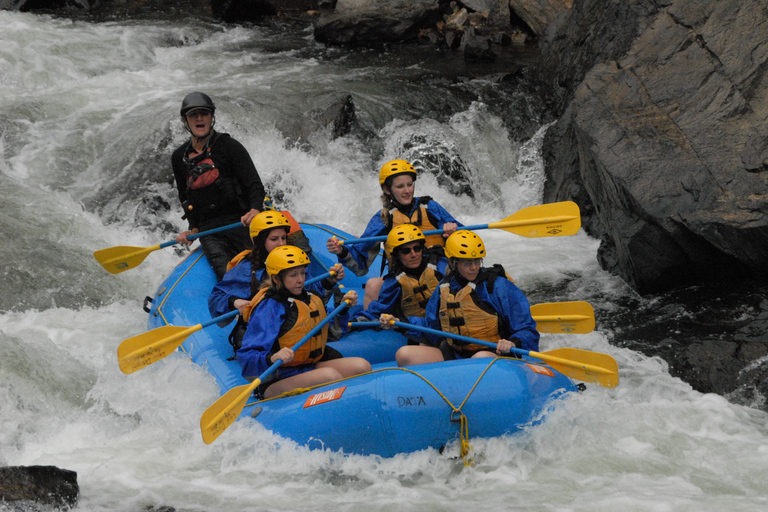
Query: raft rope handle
point(466, 449)
point(467, 452)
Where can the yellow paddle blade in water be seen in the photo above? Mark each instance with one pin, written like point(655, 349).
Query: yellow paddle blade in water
point(224, 411)
point(576, 317)
point(146, 348)
point(594, 367)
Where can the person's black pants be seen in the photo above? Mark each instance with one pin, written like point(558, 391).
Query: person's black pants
point(221, 247)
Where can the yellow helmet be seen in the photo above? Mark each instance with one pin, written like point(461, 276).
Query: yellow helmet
point(395, 167)
point(285, 257)
point(464, 244)
point(401, 235)
point(268, 220)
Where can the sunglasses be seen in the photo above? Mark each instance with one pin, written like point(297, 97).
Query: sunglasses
point(470, 262)
point(407, 250)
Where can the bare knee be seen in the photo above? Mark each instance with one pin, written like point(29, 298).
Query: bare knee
point(358, 365)
point(326, 374)
point(372, 289)
point(417, 354)
point(348, 366)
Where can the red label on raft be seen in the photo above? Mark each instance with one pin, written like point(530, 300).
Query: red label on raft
point(325, 396)
point(540, 369)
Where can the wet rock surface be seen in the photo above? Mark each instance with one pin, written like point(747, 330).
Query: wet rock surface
point(663, 135)
point(27, 486)
point(714, 336)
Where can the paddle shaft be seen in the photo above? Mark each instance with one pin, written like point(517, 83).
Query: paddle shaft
point(209, 232)
point(549, 214)
point(522, 352)
point(228, 414)
point(383, 238)
point(195, 236)
point(572, 318)
point(552, 317)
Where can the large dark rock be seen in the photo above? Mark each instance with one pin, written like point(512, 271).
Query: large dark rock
point(381, 21)
point(664, 137)
point(47, 485)
point(537, 14)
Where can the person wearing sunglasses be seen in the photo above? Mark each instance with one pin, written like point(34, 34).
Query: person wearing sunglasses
point(217, 184)
point(414, 273)
point(473, 301)
point(397, 179)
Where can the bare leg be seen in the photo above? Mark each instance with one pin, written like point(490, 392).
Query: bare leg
point(485, 353)
point(410, 355)
point(302, 380)
point(372, 288)
point(326, 371)
point(347, 366)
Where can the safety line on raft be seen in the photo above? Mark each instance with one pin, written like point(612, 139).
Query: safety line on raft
point(466, 448)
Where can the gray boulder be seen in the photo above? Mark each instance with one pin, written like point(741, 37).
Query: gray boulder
point(663, 138)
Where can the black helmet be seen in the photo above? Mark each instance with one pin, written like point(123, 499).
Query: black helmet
point(197, 100)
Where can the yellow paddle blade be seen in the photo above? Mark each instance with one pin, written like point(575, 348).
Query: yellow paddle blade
point(122, 257)
point(224, 411)
point(576, 317)
point(552, 219)
point(594, 367)
point(144, 349)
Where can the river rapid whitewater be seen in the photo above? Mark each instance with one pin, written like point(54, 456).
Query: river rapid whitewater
point(88, 118)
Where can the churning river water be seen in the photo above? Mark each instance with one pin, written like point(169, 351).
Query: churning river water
point(88, 117)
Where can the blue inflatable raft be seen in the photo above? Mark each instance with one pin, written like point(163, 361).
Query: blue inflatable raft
point(388, 411)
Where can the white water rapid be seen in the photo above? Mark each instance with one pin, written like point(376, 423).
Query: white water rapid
point(88, 117)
